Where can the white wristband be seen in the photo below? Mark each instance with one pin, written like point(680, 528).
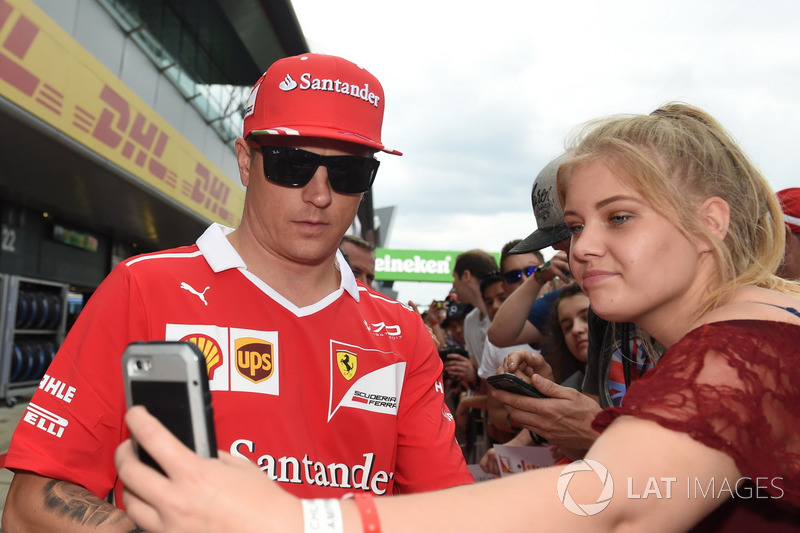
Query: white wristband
point(322, 516)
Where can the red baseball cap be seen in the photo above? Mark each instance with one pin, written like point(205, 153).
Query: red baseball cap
point(316, 95)
point(790, 205)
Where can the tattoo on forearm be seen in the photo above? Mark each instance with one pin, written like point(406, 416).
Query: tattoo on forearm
point(76, 503)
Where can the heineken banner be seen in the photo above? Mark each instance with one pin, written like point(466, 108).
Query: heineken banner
point(415, 265)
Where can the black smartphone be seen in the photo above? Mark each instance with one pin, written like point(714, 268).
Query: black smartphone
point(444, 352)
point(515, 384)
point(170, 379)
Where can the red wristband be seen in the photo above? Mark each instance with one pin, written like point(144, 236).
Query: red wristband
point(368, 512)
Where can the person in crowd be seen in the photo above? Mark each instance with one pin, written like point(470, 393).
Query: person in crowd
point(498, 428)
point(452, 296)
point(433, 317)
point(453, 324)
point(564, 419)
point(454, 343)
point(514, 270)
point(517, 267)
point(495, 289)
point(790, 204)
point(473, 428)
point(289, 334)
point(445, 322)
point(565, 349)
point(523, 317)
point(470, 267)
point(360, 256)
point(566, 342)
point(719, 407)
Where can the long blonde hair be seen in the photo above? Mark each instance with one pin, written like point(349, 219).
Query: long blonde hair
point(677, 157)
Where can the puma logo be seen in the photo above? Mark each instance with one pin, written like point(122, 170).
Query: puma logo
point(201, 295)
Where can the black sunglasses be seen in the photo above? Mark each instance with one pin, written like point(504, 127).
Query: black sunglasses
point(513, 276)
point(293, 167)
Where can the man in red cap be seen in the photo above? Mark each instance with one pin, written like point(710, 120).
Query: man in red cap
point(328, 386)
point(790, 204)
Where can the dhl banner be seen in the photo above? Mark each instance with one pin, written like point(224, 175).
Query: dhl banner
point(46, 72)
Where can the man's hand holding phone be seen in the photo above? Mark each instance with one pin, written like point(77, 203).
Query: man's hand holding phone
point(564, 417)
point(459, 366)
point(515, 384)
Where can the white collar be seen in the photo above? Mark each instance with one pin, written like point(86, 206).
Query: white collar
point(221, 255)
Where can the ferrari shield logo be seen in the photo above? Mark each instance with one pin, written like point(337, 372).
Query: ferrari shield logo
point(348, 363)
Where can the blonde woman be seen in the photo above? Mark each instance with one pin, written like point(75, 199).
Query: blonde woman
point(672, 228)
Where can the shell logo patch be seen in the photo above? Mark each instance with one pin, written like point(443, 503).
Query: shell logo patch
point(211, 351)
point(348, 363)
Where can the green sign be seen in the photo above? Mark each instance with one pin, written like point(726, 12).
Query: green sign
point(415, 265)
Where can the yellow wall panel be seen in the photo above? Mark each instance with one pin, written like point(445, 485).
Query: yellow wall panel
point(46, 72)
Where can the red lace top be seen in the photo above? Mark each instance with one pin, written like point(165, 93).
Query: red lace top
point(735, 387)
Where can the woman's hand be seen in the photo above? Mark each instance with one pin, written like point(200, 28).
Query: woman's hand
point(197, 494)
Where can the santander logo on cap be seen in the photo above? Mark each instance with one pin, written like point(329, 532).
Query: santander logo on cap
point(288, 83)
point(316, 95)
point(308, 82)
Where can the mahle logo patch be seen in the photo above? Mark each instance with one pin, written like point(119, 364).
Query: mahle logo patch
point(254, 359)
point(348, 363)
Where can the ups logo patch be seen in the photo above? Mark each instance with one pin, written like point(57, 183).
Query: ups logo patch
point(348, 363)
point(254, 359)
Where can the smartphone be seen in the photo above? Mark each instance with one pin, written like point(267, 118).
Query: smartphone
point(515, 384)
point(171, 381)
point(444, 352)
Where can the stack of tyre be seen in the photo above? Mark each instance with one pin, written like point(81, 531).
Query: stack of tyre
point(37, 313)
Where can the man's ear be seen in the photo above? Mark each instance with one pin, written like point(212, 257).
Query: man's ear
point(244, 160)
point(715, 215)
